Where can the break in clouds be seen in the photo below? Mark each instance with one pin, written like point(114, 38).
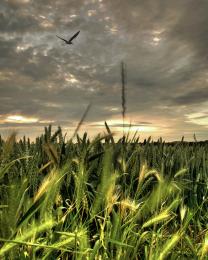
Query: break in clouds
point(163, 44)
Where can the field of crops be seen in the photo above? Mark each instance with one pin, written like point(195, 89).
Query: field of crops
point(103, 199)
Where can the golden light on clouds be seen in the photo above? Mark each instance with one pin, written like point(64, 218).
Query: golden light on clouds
point(6, 75)
point(19, 1)
point(117, 126)
point(20, 119)
point(159, 31)
point(107, 18)
point(73, 16)
point(142, 129)
point(157, 36)
point(22, 47)
point(71, 78)
point(42, 16)
point(46, 121)
point(198, 118)
point(156, 39)
point(46, 24)
point(114, 29)
point(91, 12)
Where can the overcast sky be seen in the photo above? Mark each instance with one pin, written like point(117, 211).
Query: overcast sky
point(164, 45)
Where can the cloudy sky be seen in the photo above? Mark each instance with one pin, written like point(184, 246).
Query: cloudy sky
point(163, 44)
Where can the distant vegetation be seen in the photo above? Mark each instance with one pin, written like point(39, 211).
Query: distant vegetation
point(102, 199)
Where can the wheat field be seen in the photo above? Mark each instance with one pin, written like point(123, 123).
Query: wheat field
point(102, 199)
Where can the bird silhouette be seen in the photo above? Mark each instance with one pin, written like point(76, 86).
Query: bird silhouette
point(71, 39)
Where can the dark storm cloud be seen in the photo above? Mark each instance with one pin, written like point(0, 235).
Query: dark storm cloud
point(194, 97)
point(17, 17)
point(7, 51)
point(192, 27)
point(163, 44)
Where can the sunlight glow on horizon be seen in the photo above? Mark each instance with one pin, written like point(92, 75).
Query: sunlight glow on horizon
point(117, 125)
point(20, 119)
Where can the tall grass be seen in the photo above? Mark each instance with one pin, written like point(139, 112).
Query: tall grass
point(65, 200)
point(123, 92)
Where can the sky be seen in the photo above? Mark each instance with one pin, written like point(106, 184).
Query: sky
point(162, 43)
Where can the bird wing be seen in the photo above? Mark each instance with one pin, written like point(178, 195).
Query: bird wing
point(74, 36)
point(61, 38)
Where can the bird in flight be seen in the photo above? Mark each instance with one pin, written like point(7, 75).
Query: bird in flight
point(70, 40)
